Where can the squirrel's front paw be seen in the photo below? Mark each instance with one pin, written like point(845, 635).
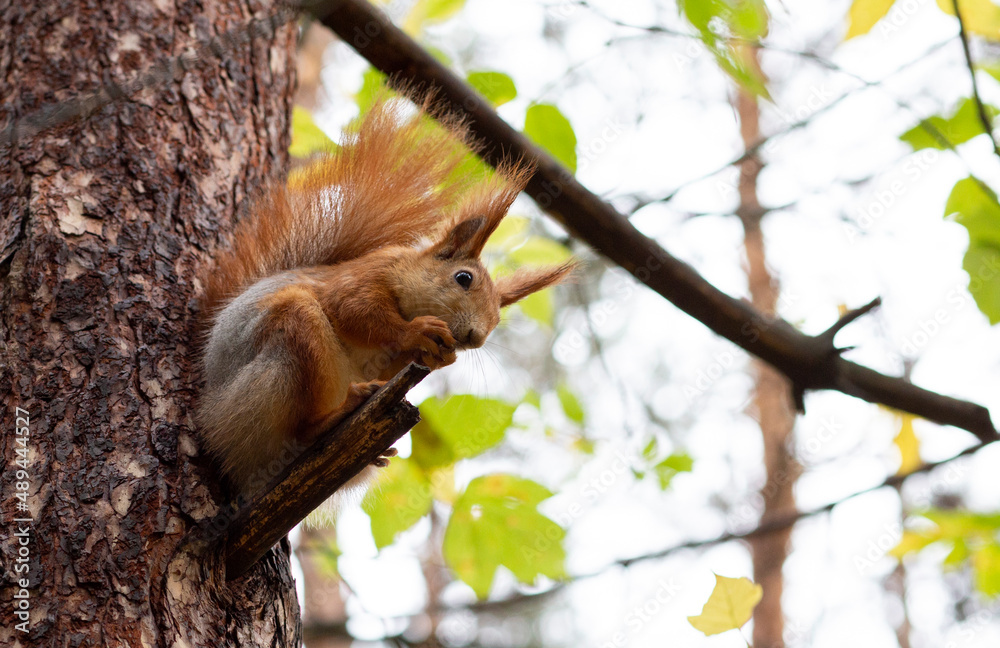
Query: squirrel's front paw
point(358, 393)
point(433, 341)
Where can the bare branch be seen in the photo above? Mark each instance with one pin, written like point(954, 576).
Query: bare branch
point(329, 463)
point(809, 362)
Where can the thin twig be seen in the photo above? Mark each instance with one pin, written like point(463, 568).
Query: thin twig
point(805, 360)
point(984, 116)
point(775, 524)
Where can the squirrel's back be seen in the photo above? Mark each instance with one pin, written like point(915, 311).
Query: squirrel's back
point(393, 181)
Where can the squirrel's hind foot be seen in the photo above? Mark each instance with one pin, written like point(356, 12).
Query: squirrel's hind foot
point(382, 461)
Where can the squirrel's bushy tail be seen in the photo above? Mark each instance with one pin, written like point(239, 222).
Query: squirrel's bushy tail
point(394, 181)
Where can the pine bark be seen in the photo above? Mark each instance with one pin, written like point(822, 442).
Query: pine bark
point(104, 226)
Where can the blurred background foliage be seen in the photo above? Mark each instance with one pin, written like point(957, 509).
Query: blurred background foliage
point(572, 429)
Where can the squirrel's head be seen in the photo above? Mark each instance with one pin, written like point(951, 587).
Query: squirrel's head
point(449, 281)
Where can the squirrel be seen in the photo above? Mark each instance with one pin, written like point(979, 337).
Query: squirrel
point(362, 262)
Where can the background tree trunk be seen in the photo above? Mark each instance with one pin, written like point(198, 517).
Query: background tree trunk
point(772, 400)
point(104, 226)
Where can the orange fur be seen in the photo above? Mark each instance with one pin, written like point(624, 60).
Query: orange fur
point(362, 262)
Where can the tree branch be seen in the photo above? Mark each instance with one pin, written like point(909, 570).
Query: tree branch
point(329, 463)
point(984, 117)
point(773, 525)
point(809, 362)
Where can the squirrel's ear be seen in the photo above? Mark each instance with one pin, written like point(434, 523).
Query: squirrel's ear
point(464, 241)
point(522, 283)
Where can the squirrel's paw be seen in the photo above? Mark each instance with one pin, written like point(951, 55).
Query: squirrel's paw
point(358, 393)
point(447, 357)
point(432, 339)
point(382, 461)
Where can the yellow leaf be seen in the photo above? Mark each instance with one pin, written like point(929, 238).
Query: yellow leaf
point(981, 17)
point(729, 607)
point(864, 14)
point(909, 446)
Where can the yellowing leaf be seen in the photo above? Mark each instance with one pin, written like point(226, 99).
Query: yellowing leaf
point(864, 14)
point(912, 542)
point(981, 17)
point(729, 607)
point(909, 446)
point(986, 565)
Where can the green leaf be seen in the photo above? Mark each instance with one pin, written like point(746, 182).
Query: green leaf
point(496, 522)
point(457, 428)
point(981, 17)
point(986, 565)
point(975, 207)
point(943, 132)
point(958, 554)
point(723, 27)
point(992, 69)
point(307, 137)
point(750, 19)
point(913, 542)
point(982, 262)
point(549, 129)
point(401, 496)
point(864, 14)
point(667, 469)
point(729, 607)
point(497, 87)
point(373, 83)
point(650, 451)
point(539, 307)
point(428, 12)
point(570, 404)
point(538, 250)
point(325, 554)
point(510, 233)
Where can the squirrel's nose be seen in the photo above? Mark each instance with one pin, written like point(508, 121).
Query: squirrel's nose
point(473, 338)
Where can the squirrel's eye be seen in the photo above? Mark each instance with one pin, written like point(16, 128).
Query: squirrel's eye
point(464, 279)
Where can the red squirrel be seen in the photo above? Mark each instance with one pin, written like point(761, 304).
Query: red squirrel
point(362, 262)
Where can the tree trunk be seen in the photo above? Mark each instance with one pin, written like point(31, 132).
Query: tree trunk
point(104, 226)
point(772, 398)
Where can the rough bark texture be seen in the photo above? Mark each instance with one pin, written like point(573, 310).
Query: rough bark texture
point(772, 399)
point(104, 226)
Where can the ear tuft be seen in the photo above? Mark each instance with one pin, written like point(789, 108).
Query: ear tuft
point(522, 283)
point(460, 241)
